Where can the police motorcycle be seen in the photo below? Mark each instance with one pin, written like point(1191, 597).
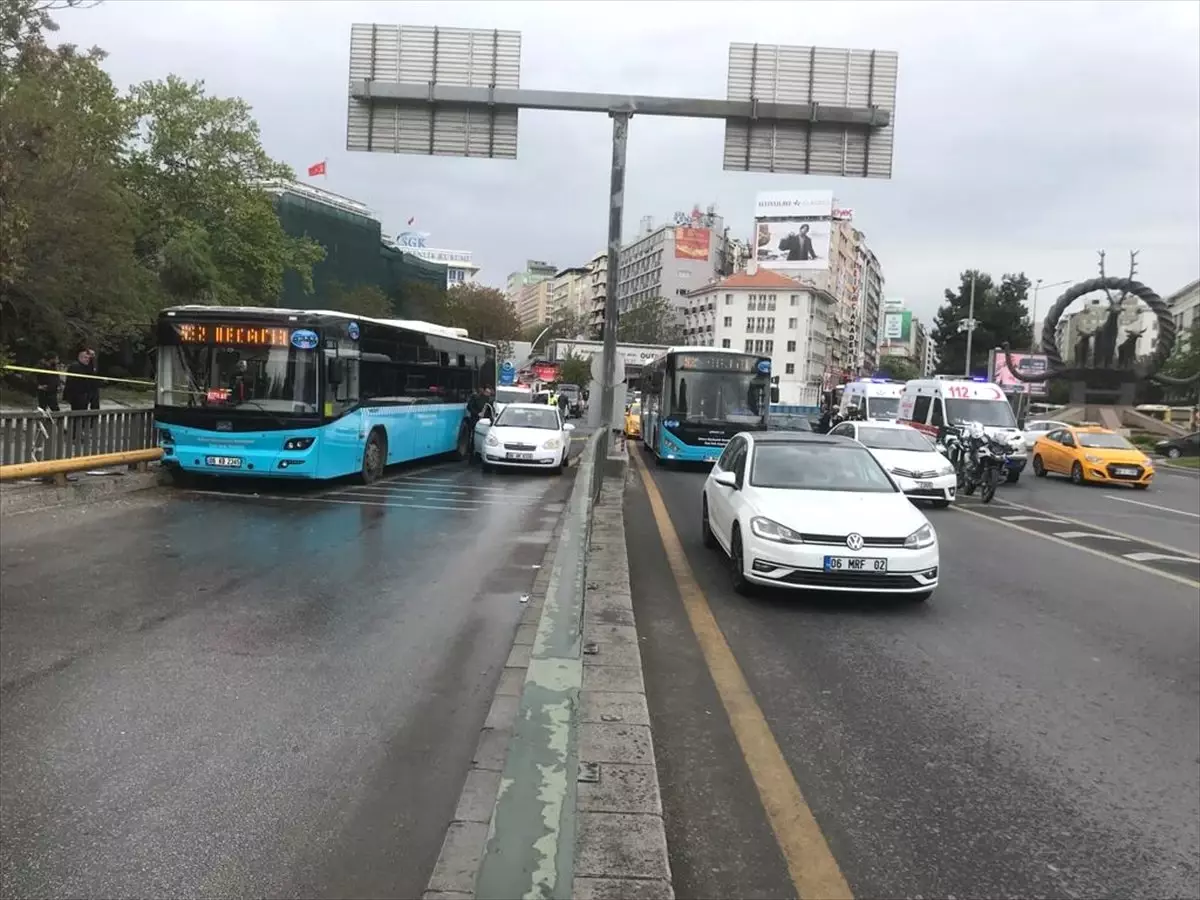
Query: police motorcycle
point(984, 459)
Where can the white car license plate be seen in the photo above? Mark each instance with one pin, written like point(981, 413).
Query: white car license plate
point(224, 462)
point(520, 456)
point(1124, 471)
point(925, 485)
point(855, 564)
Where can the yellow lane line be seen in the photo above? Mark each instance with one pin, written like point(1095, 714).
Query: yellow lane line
point(813, 870)
point(1171, 576)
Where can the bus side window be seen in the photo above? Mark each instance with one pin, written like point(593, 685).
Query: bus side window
point(938, 418)
point(921, 410)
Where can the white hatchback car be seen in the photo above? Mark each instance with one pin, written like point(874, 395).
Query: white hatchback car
point(815, 512)
point(525, 435)
point(915, 463)
point(1034, 430)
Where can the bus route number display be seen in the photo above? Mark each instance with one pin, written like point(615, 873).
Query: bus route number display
point(716, 362)
point(232, 335)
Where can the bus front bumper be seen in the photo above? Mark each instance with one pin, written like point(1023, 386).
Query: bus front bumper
point(282, 454)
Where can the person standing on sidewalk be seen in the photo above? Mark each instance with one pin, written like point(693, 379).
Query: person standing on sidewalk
point(48, 384)
point(78, 393)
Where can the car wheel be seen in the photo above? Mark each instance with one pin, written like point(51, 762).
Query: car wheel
point(940, 504)
point(374, 458)
point(921, 597)
point(1174, 453)
point(737, 565)
point(1077, 473)
point(706, 532)
point(1039, 467)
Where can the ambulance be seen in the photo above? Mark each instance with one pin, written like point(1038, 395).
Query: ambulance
point(875, 399)
point(932, 404)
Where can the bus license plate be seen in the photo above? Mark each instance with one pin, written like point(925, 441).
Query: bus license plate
point(224, 462)
point(520, 456)
point(855, 564)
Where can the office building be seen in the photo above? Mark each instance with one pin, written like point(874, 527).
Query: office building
point(672, 260)
point(568, 293)
point(904, 337)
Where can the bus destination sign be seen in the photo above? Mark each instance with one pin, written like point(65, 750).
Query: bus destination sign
point(716, 362)
point(232, 335)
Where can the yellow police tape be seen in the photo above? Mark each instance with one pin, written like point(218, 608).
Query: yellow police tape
point(78, 375)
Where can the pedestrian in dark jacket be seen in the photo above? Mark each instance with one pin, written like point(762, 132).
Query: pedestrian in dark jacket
point(48, 384)
point(80, 393)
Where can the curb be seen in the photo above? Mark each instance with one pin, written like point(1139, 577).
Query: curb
point(562, 797)
point(28, 496)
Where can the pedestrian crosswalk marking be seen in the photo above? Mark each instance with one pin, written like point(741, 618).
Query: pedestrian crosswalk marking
point(1030, 519)
point(1089, 534)
point(1152, 557)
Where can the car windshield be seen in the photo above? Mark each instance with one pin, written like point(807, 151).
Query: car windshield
point(992, 413)
point(893, 439)
point(883, 407)
point(275, 379)
point(818, 467)
point(524, 417)
point(510, 396)
point(1102, 441)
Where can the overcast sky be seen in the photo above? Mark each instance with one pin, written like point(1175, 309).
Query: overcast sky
point(1028, 135)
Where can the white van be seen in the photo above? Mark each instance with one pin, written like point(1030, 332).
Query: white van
point(931, 404)
point(875, 399)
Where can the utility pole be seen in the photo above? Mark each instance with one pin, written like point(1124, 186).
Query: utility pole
point(616, 210)
point(970, 326)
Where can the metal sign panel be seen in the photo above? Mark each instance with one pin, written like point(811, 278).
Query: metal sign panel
point(770, 73)
point(427, 56)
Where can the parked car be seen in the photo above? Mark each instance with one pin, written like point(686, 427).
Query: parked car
point(524, 435)
point(1188, 445)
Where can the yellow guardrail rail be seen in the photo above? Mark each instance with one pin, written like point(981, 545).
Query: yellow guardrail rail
point(52, 467)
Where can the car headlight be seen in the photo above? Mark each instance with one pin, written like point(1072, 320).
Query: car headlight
point(770, 530)
point(921, 538)
point(552, 444)
point(1092, 458)
point(946, 470)
point(492, 441)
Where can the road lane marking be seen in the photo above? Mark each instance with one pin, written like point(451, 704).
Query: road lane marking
point(1178, 512)
point(1070, 521)
point(1170, 576)
point(811, 865)
point(1150, 557)
point(1029, 519)
point(335, 500)
point(1068, 535)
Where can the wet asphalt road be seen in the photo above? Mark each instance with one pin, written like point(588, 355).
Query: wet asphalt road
point(1032, 731)
point(272, 695)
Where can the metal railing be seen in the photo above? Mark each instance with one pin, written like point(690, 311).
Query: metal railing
point(41, 436)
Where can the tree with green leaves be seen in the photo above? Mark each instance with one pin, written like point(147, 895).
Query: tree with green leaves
point(654, 321)
point(361, 300)
point(574, 369)
point(1184, 362)
point(484, 311)
point(900, 368)
point(1000, 317)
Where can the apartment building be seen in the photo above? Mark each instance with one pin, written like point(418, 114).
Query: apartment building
point(671, 261)
point(568, 292)
point(904, 337)
point(768, 313)
point(597, 294)
point(531, 301)
point(1185, 309)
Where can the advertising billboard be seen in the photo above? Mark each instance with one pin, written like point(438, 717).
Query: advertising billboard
point(692, 243)
point(1025, 363)
point(792, 245)
point(793, 205)
point(897, 326)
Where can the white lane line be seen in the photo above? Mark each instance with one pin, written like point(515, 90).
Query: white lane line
point(427, 498)
point(1068, 520)
point(1178, 512)
point(335, 500)
point(1150, 557)
point(389, 488)
point(1069, 535)
point(1029, 519)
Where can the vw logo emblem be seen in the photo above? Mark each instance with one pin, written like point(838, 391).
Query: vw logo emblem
point(854, 541)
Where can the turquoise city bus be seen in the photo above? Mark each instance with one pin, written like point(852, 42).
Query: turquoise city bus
point(310, 394)
point(694, 399)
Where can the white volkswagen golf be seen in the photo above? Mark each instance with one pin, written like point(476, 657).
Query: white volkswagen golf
point(527, 435)
point(915, 463)
point(815, 512)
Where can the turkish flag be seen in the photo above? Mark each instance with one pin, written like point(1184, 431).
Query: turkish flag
point(316, 169)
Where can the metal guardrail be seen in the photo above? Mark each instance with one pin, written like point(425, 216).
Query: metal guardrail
point(40, 436)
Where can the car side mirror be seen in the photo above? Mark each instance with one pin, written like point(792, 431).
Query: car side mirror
point(335, 371)
point(484, 422)
point(726, 479)
point(568, 427)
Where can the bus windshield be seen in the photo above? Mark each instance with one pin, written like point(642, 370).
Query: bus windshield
point(275, 379)
point(711, 397)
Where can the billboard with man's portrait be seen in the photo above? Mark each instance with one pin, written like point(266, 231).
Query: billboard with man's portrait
point(793, 244)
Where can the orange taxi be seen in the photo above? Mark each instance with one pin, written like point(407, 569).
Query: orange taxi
point(633, 421)
point(1091, 454)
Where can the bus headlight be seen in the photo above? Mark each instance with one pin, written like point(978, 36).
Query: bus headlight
point(300, 443)
point(552, 444)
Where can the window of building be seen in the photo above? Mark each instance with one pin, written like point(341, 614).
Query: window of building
point(791, 323)
point(728, 321)
point(749, 346)
point(758, 346)
point(771, 325)
point(789, 369)
point(791, 346)
point(768, 347)
point(770, 302)
point(729, 299)
point(794, 300)
point(684, 273)
point(750, 324)
point(725, 343)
